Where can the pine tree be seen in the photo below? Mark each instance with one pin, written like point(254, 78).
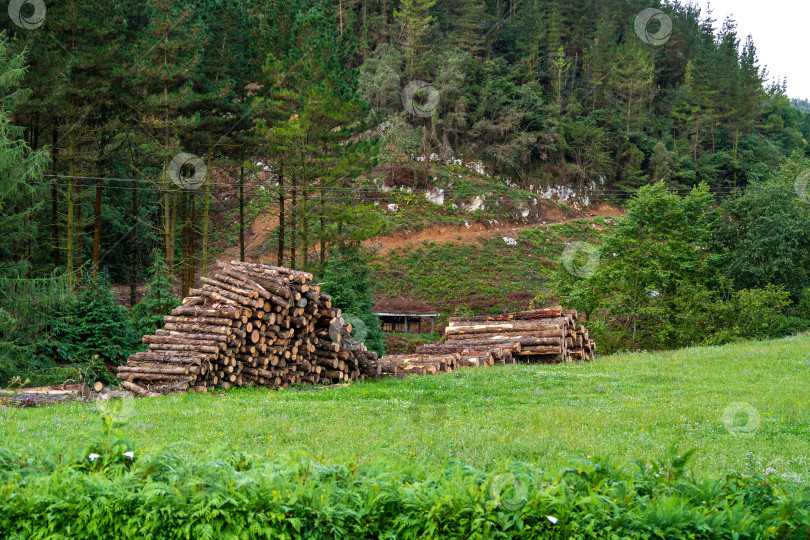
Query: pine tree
point(21, 190)
point(632, 79)
point(316, 108)
point(95, 324)
point(165, 71)
point(470, 18)
point(147, 315)
point(415, 21)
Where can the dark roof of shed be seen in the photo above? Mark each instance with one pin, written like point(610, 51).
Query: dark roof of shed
point(404, 307)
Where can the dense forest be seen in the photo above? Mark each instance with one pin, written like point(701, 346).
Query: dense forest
point(129, 127)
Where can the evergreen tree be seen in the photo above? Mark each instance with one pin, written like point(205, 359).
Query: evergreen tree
point(415, 20)
point(95, 324)
point(21, 190)
point(147, 315)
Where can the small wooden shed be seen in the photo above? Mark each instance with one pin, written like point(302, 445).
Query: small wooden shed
point(398, 315)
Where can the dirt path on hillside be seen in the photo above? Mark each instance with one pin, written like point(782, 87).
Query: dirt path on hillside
point(442, 234)
point(262, 229)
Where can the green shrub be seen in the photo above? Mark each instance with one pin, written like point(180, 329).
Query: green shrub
point(95, 324)
point(714, 317)
point(802, 308)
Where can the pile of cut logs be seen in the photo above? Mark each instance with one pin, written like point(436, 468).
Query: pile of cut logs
point(250, 324)
point(549, 335)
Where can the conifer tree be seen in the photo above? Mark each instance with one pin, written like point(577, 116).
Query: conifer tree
point(147, 315)
point(415, 20)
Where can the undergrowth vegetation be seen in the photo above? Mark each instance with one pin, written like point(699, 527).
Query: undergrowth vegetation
point(111, 490)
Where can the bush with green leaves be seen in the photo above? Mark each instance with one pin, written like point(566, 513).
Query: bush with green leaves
point(764, 237)
point(111, 490)
point(147, 315)
point(660, 243)
point(713, 317)
point(95, 324)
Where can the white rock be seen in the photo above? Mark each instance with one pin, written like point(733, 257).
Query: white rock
point(476, 204)
point(435, 195)
point(510, 241)
point(393, 208)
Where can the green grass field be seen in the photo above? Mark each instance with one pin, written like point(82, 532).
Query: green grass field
point(627, 406)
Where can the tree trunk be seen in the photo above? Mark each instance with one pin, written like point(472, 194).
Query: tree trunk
point(192, 243)
point(293, 216)
point(79, 228)
point(133, 269)
point(304, 216)
point(242, 212)
point(281, 232)
point(69, 225)
point(97, 228)
point(206, 211)
point(184, 246)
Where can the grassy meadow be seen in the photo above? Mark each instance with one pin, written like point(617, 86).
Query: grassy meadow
point(627, 406)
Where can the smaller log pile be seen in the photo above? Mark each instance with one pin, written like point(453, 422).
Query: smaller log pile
point(550, 335)
point(547, 335)
point(250, 324)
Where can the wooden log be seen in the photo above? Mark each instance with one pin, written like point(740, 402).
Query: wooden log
point(136, 388)
point(546, 313)
point(218, 312)
point(503, 327)
point(181, 347)
point(505, 336)
point(197, 328)
point(150, 369)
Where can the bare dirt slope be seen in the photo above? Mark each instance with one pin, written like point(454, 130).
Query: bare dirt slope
point(262, 229)
point(442, 234)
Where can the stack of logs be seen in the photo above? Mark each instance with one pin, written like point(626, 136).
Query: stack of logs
point(250, 324)
point(549, 335)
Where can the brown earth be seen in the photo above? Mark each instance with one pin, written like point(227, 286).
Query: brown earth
point(480, 231)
